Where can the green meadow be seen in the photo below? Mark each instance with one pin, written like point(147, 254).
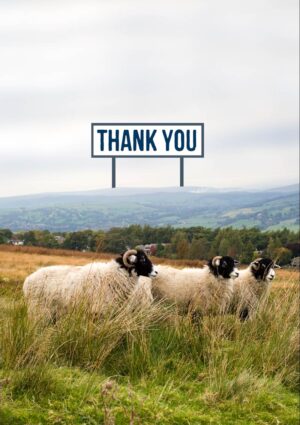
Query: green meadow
point(148, 365)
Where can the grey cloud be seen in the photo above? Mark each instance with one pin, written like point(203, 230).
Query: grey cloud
point(278, 136)
point(232, 65)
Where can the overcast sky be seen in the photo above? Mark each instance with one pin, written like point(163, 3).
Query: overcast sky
point(64, 64)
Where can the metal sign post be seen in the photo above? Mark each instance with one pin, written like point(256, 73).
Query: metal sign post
point(113, 172)
point(181, 171)
point(147, 140)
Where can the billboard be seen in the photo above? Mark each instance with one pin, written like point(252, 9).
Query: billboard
point(147, 140)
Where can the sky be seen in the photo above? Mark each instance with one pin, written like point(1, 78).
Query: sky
point(64, 64)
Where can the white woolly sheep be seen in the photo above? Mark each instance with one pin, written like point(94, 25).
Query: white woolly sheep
point(252, 287)
point(206, 291)
point(51, 291)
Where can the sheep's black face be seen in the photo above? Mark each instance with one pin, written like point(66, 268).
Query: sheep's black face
point(144, 266)
point(224, 267)
point(263, 269)
point(137, 262)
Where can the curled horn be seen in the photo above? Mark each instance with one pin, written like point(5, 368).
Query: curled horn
point(127, 255)
point(254, 265)
point(275, 265)
point(215, 260)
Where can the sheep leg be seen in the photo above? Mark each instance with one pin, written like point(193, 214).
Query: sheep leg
point(197, 317)
point(244, 314)
point(53, 318)
point(195, 314)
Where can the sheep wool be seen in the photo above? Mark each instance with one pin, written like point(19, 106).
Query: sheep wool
point(196, 289)
point(57, 288)
point(51, 291)
point(141, 295)
point(248, 292)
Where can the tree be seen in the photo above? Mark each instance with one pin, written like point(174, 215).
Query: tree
point(98, 241)
point(247, 253)
point(45, 238)
point(199, 249)
point(5, 234)
point(235, 245)
point(224, 246)
point(117, 240)
point(78, 241)
point(182, 249)
point(160, 251)
point(30, 239)
point(180, 245)
point(273, 245)
point(284, 256)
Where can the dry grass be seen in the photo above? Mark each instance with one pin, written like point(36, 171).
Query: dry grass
point(49, 251)
point(169, 369)
point(18, 262)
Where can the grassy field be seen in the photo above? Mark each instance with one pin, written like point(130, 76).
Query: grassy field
point(145, 366)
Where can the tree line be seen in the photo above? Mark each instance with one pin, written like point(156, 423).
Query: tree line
point(184, 243)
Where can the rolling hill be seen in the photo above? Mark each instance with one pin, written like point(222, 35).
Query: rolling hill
point(185, 207)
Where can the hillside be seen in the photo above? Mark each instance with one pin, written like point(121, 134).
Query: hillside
point(265, 209)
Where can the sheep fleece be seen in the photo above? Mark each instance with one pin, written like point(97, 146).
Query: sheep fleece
point(56, 288)
point(196, 288)
point(248, 292)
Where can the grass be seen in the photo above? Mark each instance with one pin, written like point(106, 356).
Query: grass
point(146, 365)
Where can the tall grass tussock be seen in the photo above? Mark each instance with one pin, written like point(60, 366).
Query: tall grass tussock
point(117, 367)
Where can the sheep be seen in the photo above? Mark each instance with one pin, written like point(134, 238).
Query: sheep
point(53, 290)
point(142, 292)
point(252, 287)
point(201, 291)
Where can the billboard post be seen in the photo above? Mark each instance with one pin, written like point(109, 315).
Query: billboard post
point(147, 140)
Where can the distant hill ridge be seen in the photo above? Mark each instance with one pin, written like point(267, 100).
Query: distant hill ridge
point(180, 207)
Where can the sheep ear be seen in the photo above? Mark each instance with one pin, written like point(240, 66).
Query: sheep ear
point(236, 262)
point(255, 265)
point(276, 266)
